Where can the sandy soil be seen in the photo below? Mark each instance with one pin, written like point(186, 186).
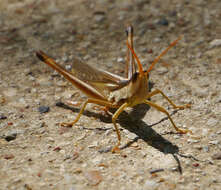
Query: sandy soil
point(36, 153)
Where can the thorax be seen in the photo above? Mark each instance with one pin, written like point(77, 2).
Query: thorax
point(134, 93)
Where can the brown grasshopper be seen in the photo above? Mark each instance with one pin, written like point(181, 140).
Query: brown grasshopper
point(112, 91)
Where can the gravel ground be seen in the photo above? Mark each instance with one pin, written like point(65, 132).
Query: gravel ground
point(36, 153)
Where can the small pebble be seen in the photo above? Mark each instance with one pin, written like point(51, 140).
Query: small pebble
point(216, 156)
point(156, 40)
point(3, 116)
point(108, 126)
point(68, 67)
point(67, 94)
point(215, 43)
point(75, 155)
point(99, 18)
point(150, 185)
point(131, 136)
point(61, 83)
point(163, 22)
point(10, 123)
point(144, 154)
point(196, 164)
point(57, 149)
point(8, 156)
point(215, 142)
point(93, 177)
point(162, 70)
point(175, 169)
point(206, 149)
point(31, 78)
point(192, 141)
point(50, 139)
point(11, 136)
point(10, 92)
point(62, 152)
point(176, 136)
point(97, 160)
point(60, 104)
point(201, 92)
point(218, 99)
point(65, 58)
point(207, 18)
point(105, 149)
point(120, 59)
point(93, 144)
point(43, 109)
point(212, 122)
point(156, 170)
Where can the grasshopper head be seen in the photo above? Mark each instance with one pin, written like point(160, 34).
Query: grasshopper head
point(142, 76)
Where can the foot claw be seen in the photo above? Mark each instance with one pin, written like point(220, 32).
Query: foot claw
point(116, 149)
point(188, 106)
point(185, 131)
point(66, 124)
point(183, 107)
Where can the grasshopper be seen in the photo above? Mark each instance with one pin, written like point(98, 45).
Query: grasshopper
point(113, 91)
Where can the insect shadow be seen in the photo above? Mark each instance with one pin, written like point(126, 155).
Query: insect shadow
point(133, 122)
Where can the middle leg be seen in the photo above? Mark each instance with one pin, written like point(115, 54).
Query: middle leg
point(115, 116)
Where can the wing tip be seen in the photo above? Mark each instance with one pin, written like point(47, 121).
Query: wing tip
point(41, 55)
